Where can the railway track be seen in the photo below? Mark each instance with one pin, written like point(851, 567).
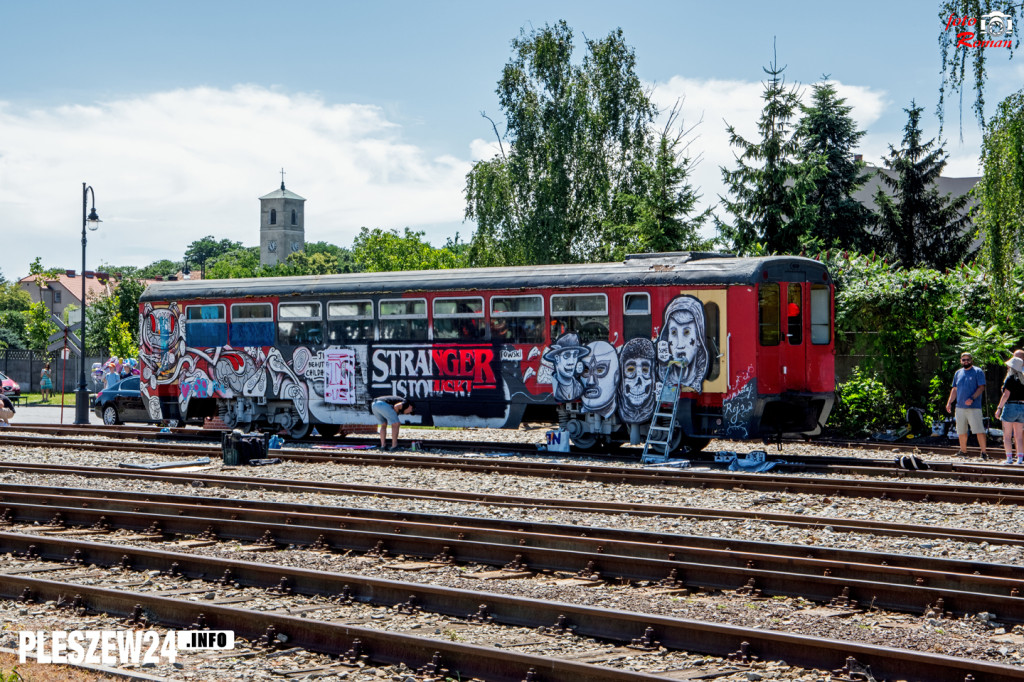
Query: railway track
point(642, 632)
point(907, 486)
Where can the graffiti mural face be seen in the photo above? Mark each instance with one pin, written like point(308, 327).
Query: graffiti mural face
point(636, 392)
point(565, 355)
point(682, 350)
point(600, 379)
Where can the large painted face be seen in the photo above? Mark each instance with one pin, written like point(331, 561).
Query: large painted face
point(565, 363)
point(681, 334)
point(600, 376)
point(638, 378)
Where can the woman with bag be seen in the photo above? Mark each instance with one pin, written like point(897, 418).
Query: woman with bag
point(1010, 410)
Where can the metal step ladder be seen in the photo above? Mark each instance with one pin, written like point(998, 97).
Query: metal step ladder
point(663, 423)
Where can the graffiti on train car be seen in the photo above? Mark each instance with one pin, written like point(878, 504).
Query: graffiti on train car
point(438, 370)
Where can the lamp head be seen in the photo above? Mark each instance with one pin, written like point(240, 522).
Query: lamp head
point(93, 221)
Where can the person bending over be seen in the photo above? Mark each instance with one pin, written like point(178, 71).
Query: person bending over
point(386, 409)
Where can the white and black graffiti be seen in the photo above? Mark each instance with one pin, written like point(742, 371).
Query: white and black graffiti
point(682, 349)
point(600, 378)
point(637, 396)
point(566, 355)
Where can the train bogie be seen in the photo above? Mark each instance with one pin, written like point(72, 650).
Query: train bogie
point(747, 342)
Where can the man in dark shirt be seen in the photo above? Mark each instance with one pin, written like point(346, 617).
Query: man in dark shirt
point(386, 409)
point(6, 410)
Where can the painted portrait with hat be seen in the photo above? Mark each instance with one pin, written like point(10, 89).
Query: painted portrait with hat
point(565, 355)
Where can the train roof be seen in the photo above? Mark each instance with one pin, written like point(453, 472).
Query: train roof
point(638, 270)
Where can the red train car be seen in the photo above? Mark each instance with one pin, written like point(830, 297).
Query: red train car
point(586, 347)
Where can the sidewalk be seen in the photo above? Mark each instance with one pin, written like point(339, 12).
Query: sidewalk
point(47, 414)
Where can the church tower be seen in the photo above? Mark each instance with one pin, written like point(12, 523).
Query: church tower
point(282, 225)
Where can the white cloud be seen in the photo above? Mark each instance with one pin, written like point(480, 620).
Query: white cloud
point(171, 167)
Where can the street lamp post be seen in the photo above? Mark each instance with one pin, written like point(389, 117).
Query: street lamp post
point(92, 221)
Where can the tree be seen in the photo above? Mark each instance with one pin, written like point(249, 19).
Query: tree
point(341, 258)
point(13, 297)
point(1000, 214)
point(916, 226)
point(577, 135)
point(954, 14)
point(160, 268)
point(237, 263)
point(661, 217)
point(208, 248)
point(39, 328)
point(380, 250)
point(768, 186)
point(828, 134)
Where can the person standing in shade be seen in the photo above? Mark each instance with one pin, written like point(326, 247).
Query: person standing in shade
point(1010, 410)
point(386, 409)
point(968, 387)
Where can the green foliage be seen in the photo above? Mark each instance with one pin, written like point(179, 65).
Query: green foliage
point(207, 248)
point(14, 328)
point(581, 169)
point(954, 60)
point(987, 344)
point(120, 340)
point(13, 297)
point(1000, 213)
point(39, 327)
point(98, 322)
point(380, 250)
point(656, 219)
point(767, 187)
point(916, 226)
point(241, 262)
point(864, 405)
point(160, 268)
point(828, 135)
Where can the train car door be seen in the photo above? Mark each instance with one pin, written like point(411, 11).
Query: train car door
point(793, 344)
point(769, 337)
point(715, 338)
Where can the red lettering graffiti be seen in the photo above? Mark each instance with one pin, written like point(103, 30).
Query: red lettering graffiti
point(962, 40)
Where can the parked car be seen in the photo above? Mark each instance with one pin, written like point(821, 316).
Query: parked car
point(121, 402)
point(9, 386)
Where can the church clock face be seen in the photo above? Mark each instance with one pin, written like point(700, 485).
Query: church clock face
point(272, 245)
point(296, 246)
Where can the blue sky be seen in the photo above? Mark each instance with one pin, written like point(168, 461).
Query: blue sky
point(180, 115)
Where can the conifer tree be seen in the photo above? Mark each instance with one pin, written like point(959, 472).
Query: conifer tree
point(828, 135)
point(918, 227)
point(765, 195)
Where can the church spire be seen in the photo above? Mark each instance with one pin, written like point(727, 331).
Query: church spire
point(282, 177)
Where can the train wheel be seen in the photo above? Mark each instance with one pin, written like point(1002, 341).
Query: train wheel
point(585, 441)
point(299, 431)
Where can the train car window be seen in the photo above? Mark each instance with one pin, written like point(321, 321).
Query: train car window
point(794, 316)
point(768, 314)
point(403, 319)
point(583, 314)
point(517, 319)
point(636, 316)
point(252, 324)
point(712, 324)
point(350, 321)
point(820, 333)
point(459, 318)
point(299, 324)
point(205, 326)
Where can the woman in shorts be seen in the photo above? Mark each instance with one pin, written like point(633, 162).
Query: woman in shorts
point(1010, 410)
